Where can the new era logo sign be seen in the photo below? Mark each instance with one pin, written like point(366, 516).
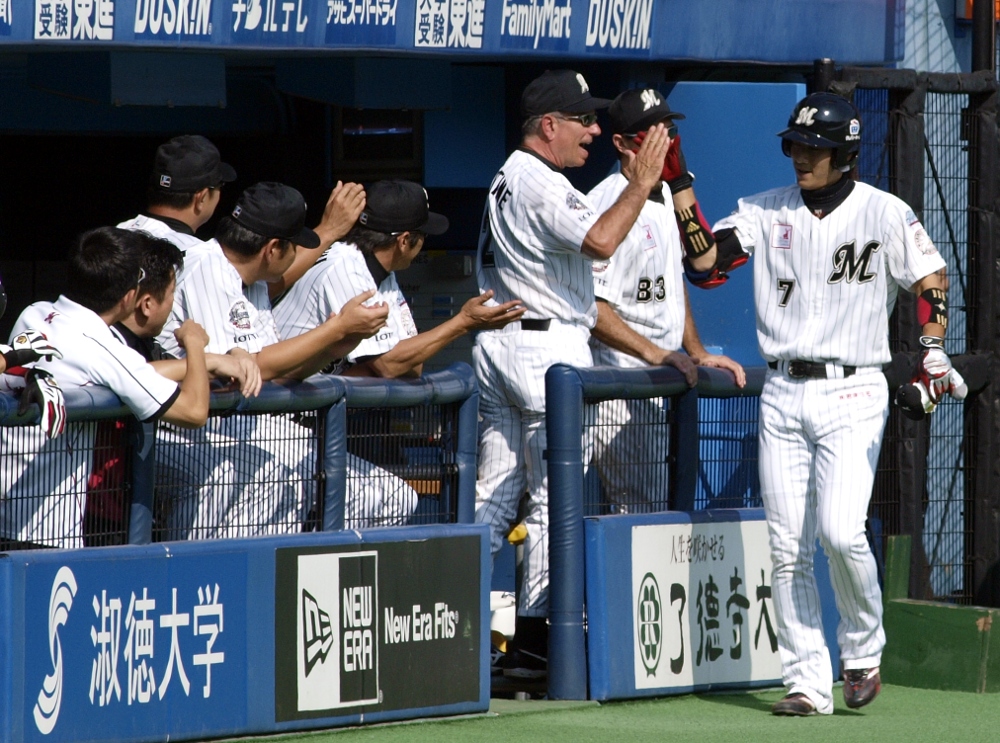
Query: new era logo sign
point(317, 632)
point(164, 181)
point(237, 211)
point(649, 99)
point(584, 88)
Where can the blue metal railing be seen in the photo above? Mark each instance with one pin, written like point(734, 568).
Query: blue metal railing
point(567, 389)
point(329, 396)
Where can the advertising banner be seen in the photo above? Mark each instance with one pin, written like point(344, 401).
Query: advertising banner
point(222, 638)
point(857, 31)
point(696, 612)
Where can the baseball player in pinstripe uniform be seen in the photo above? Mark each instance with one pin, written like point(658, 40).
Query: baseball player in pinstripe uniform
point(831, 256)
point(184, 190)
point(224, 285)
point(539, 235)
point(388, 236)
point(643, 315)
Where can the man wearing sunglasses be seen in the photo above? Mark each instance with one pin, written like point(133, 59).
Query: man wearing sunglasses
point(643, 313)
point(539, 235)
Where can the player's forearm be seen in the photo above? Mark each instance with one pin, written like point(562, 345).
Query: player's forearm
point(190, 409)
point(932, 305)
point(686, 206)
point(612, 331)
point(607, 233)
point(306, 354)
point(406, 358)
point(691, 340)
point(172, 369)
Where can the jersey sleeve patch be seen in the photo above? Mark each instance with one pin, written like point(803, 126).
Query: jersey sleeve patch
point(923, 241)
point(781, 236)
point(239, 315)
point(575, 204)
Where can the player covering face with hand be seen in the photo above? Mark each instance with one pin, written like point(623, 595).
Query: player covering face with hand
point(831, 255)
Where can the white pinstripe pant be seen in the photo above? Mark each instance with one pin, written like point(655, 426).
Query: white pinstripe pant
point(510, 367)
point(819, 446)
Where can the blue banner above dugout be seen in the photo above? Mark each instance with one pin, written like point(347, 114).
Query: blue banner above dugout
point(776, 31)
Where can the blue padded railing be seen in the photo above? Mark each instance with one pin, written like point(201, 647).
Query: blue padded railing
point(567, 389)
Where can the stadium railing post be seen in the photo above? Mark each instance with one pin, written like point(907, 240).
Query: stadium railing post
point(466, 457)
point(335, 467)
point(564, 453)
point(142, 450)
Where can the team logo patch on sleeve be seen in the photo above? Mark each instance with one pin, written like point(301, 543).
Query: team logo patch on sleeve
point(239, 316)
point(574, 203)
point(781, 236)
point(923, 241)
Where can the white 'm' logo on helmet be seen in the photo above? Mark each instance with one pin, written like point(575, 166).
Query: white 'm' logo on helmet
point(806, 116)
point(649, 99)
point(584, 88)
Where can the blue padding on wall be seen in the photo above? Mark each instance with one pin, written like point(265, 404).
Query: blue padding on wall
point(730, 145)
point(464, 146)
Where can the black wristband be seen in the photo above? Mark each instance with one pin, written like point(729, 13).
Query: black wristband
point(681, 183)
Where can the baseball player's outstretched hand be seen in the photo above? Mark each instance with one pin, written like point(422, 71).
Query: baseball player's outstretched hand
point(682, 363)
point(346, 202)
point(717, 361)
point(191, 335)
point(645, 167)
point(481, 316)
point(358, 319)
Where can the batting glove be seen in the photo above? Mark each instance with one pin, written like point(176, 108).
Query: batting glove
point(41, 388)
point(27, 348)
point(675, 169)
point(939, 377)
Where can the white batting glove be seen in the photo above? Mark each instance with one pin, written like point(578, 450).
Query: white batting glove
point(936, 373)
point(41, 388)
point(27, 348)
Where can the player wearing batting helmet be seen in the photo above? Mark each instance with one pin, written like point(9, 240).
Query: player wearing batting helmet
point(831, 255)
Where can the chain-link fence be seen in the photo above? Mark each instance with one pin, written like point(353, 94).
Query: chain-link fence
point(917, 144)
point(401, 465)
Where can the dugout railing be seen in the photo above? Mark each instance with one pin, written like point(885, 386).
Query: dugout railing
point(572, 399)
point(279, 463)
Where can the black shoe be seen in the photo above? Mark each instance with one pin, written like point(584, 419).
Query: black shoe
point(861, 686)
point(521, 664)
point(794, 705)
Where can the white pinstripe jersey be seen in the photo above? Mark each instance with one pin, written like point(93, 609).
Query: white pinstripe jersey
point(338, 276)
point(156, 228)
point(824, 288)
point(643, 280)
point(531, 238)
point(211, 292)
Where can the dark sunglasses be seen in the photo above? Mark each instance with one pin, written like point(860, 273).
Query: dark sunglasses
point(584, 119)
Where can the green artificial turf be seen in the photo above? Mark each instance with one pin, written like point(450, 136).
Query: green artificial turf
point(899, 714)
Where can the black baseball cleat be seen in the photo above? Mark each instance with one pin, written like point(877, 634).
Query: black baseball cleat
point(861, 686)
point(794, 705)
point(521, 664)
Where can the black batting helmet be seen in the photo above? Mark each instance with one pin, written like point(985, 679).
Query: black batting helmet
point(825, 120)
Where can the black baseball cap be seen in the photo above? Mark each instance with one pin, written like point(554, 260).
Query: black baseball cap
point(562, 91)
point(190, 163)
point(275, 210)
point(636, 110)
point(400, 206)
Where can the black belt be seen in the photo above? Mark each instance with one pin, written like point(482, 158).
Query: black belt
point(535, 324)
point(809, 369)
